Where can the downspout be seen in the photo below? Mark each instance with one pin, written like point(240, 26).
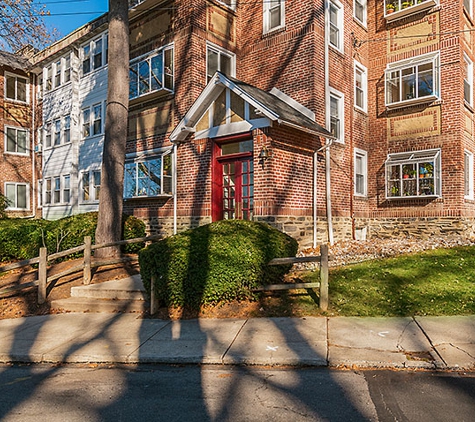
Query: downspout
point(315, 199)
point(33, 163)
point(328, 142)
point(175, 185)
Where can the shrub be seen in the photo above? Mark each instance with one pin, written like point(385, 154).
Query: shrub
point(22, 239)
point(4, 202)
point(215, 263)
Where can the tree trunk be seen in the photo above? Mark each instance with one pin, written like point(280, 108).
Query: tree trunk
point(109, 225)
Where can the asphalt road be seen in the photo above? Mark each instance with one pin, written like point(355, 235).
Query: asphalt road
point(211, 393)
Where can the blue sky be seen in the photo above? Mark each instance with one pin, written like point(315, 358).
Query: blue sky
point(68, 15)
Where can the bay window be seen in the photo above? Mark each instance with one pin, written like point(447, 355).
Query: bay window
point(413, 174)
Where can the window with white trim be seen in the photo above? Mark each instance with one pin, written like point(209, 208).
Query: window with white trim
point(67, 129)
point(96, 119)
point(360, 11)
point(337, 114)
point(219, 59)
point(468, 5)
point(48, 190)
point(66, 188)
point(413, 81)
point(361, 172)
point(47, 134)
point(16, 88)
point(467, 80)
point(92, 121)
point(361, 86)
point(413, 174)
point(40, 193)
point(57, 132)
point(229, 3)
point(152, 73)
point(92, 56)
point(67, 69)
point(397, 9)
point(16, 141)
point(57, 74)
point(56, 190)
point(86, 122)
point(148, 177)
point(90, 185)
point(49, 78)
point(336, 19)
point(274, 15)
point(17, 195)
point(468, 175)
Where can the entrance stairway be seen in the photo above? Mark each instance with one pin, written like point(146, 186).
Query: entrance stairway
point(125, 295)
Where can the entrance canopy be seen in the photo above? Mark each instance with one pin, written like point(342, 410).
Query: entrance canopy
point(228, 106)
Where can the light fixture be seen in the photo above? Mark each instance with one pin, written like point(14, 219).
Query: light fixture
point(265, 154)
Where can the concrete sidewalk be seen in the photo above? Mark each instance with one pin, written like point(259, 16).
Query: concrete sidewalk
point(421, 342)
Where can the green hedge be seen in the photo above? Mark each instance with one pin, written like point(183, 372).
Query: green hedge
point(215, 263)
point(22, 239)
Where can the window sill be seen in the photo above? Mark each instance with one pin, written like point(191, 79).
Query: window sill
point(149, 198)
point(150, 96)
point(273, 31)
point(469, 107)
point(434, 196)
point(411, 10)
point(411, 102)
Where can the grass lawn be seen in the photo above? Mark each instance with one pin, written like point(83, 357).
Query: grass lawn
point(437, 282)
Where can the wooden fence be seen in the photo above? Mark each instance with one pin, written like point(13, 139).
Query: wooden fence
point(88, 264)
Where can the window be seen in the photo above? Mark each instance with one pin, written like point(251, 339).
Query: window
point(413, 174)
point(17, 195)
point(67, 69)
point(48, 191)
point(467, 4)
point(219, 59)
point(57, 132)
point(66, 188)
point(397, 9)
point(67, 129)
point(97, 119)
point(152, 73)
point(230, 3)
point(49, 79)
point(16, 141)
point(274, 15)
point(148, 177)
point(90, 185)
point(412, 81)
point(361, 86)
point(467, 80)
point(86, 122)
point(57, 74)
point(468, 175)
point(57, 190)
point(40, 193)
point(16, 88)
point(361, 172)
point(360, 11)
point(92, 54)
point(335, 16)
point(47, 134)
point(337, 114)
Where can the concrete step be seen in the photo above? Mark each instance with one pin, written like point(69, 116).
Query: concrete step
point(130, 288)
point(82, 304)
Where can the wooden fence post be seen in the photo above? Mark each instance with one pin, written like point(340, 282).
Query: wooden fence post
point(42, 275)
point(153, 298)
point(324, 277)
point(87, 260)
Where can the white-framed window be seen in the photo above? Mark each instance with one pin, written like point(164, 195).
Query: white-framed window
point(361, 172)
point(413, 174)
point(67, 129)
point(57, 73)
point(66, 188)
point(148, 176)
point(48, 78)
point(16, 88)
point(48, 191)
point(335, 24)
point(397, 9)
point(92, 121)
point(413, 81)
point(47, 128)
point(360, 11)
point(274, 14)
point(337, 114)
point(96, 119)
point(361, 87)
point(90, 185)
point(92, 54)
point(40, 193)
point(229, 3)
point(16, 141)
point(56, 190)
point(152, 73)
point(467, 80)
point(67, 68)
point(219, 59)
point(468, 175)
point(18, 195)
point(57, 132)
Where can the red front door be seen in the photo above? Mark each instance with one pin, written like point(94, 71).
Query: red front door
point(233, 194)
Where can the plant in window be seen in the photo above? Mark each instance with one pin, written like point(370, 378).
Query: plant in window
point(406, 4)
point(390, 7)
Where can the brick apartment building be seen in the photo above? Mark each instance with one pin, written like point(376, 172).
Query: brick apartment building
point(19, 165)
point(229, 102)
